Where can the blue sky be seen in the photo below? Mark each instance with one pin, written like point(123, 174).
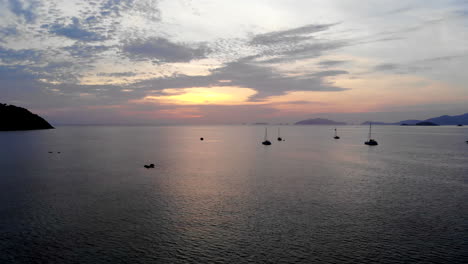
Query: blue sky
point(207, 61)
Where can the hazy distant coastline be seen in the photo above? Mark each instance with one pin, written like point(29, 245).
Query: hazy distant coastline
point(319, 121)
point(444, 120)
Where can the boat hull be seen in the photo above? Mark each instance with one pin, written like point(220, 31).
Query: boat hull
point(371, 143)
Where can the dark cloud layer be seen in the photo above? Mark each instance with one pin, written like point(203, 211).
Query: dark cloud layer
point(263, 79)
point(331, 63)
point(85, 51)
point(117, 74)
point(75, 30)
point(162, 50)
point(22, 56)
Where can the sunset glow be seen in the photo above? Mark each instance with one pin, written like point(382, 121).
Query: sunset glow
point(298, 59)
point(203, 96)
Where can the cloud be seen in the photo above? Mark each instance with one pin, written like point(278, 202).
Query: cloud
point(386, 67)
point(288, 36)
point(329, 73)
point(16, 73)
point(20, 85)
point(293, 44)
point(331, 63)
point(8, 31)
point(268, 82)
point(162, 50)
point(263, 79)
point(22, 56)
point(444, 58)
point(300, 52)
point(75, 30)
point(57, 80)
point(24, 9)
point(398, 10)
point(80, 50)
point(115, 6)
point(400, 68)
point(417, 65)
point(117, 74)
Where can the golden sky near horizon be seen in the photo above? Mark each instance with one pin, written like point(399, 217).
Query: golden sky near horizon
point(173, 61)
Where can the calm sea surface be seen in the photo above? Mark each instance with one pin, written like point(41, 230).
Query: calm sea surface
point(229, 199)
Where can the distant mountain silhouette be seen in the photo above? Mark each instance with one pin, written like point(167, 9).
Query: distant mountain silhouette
point(404, 122)
point(408, 122)
point(261, 123)
point(450, 120)
point(444, 120)
point(18, 118)
point(425, 123)
point(319, 121)
point(377, 123)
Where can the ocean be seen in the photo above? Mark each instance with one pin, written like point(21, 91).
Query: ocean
point(229, 199)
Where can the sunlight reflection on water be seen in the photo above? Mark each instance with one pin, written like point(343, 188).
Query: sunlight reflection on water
point(230, 199)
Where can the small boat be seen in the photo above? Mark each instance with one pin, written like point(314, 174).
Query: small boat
point(151, 166)
point(279, 137)
point(336, 135)
point(460, 125)
point(266, 142)
point(371, 142)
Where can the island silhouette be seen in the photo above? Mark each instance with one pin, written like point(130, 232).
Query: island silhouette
point(17, 118)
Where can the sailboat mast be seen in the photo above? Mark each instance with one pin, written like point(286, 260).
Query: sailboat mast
point(336, 133)
point(278, 132)
point(265, 133)
point(370, 130)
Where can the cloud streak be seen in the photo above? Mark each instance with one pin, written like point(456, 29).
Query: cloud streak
point(162, 50)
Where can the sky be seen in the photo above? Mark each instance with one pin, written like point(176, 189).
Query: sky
point(233, 62)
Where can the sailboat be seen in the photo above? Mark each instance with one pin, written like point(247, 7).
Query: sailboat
point(279, 137)
point(336, 135)
point(266, 141)
point(371, 142)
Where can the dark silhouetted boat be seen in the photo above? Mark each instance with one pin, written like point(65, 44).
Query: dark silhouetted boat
point(371, 142)
point(336, 135)
point(460, 125)
point(279, 137)
point(266, 142)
